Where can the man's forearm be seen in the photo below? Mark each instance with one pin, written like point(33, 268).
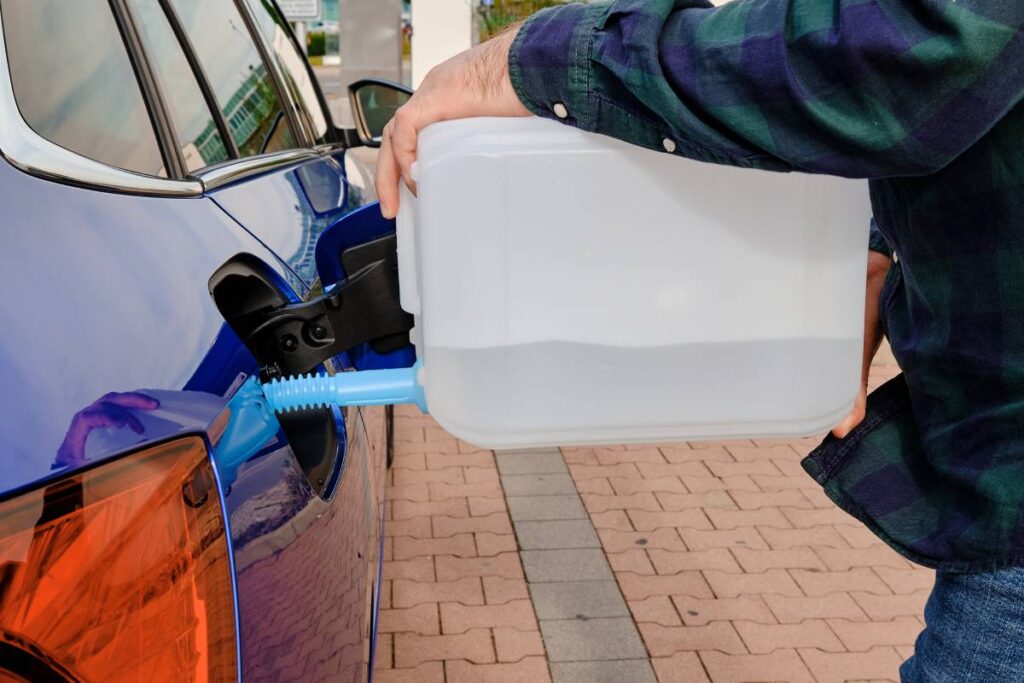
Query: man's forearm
point(854, 88)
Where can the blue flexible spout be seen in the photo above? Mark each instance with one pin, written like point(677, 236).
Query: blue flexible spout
point(362, 388)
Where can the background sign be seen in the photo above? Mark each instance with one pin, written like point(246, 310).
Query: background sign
point(300, 10)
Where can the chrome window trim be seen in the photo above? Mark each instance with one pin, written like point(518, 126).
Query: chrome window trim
point(29, 151)
point(228, 172)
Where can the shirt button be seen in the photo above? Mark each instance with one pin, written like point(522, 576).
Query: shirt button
point(669, 144)
point(560, 110)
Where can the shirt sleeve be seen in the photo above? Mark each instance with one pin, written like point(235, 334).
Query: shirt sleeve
point(877, 241)
point(855, 88)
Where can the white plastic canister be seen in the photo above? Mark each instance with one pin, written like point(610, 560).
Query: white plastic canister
point(569, 288)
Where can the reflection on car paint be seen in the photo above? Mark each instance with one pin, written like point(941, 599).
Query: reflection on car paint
point(289, 210)
point(115, 301)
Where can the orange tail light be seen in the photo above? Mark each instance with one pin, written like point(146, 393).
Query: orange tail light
point(119, 573)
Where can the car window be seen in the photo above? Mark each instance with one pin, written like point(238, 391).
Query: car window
point(74, 82)
point(201, 142)
point(293, 65)
point(241, 84)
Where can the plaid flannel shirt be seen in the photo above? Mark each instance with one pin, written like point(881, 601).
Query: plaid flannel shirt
point(924, 99)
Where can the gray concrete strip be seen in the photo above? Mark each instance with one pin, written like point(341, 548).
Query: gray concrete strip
point(578, 599)
point(588, 631)
point(573, 564)
point(538, 484)
point(575, 640)
point(613, 671)
point(535, 508)
point(557, 534)
point(546, 461)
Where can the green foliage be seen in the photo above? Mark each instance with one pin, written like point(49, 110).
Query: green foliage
point(501, 13)
point(316, 42)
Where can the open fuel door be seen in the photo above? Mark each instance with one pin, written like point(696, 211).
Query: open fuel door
point(358, 311)
point(354, 313)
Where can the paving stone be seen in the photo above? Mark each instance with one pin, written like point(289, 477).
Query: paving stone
point(456, 618)
point(502, 564)
point(557, 534)
point(781, 665)
point(421, 619)
point(661, 484)
point(592, 640)
point(772, 581)
point(541, 461)
point(827, 667)
point(639, 453)
point(685, 583)
point(656, 609)
point(615, 541)
point(526, 670)
point(412, 649)
point(793, 610)
point(862, 636)
point(580, 564)
point(513, 644)
point(816, 583)
point(613, 519)
point(407, 593)
point(634, 561)
point(682, 667)
point(536, 508)
point(427, 672)
point(766, 638)
point(888, 607)
point(905, 580)
point(697, 611)
point(479, 489)
point(664, 641)
point(496, 522)
point(598, 486)
point(537, 484)
point(614, 671)
point(489, 545)
point(499, 590)
point(480, 506)
point(875, 556)
point(573, 599)
point(644, 500)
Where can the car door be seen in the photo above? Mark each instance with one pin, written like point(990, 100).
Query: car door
point(112, 232)
point(267, 160)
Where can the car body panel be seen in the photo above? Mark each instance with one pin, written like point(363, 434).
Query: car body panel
point(287, 210)
point(105, 275)
point(108, 293)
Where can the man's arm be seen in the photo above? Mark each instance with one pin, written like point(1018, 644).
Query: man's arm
point(863, 88)
point(860, 88)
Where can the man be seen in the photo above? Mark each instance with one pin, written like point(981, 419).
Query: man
point(922, 97)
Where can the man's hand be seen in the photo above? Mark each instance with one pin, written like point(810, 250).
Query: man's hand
point(472, 83)
point(878, 266)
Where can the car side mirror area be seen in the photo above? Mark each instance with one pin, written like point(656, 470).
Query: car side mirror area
point(374, 102)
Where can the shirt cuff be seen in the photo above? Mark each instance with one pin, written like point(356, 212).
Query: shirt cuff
point(549, 62)
point(876, 242)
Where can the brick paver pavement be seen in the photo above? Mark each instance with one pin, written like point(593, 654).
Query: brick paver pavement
point(734, 565)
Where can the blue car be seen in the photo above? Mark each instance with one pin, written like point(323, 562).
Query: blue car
point(181, 220)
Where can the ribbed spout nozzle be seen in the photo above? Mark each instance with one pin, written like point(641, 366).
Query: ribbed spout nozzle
point(360, 388)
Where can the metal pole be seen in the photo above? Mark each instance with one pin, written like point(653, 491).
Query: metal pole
point(300, 34)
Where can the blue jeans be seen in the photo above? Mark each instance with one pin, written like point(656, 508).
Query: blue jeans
point(974, 632)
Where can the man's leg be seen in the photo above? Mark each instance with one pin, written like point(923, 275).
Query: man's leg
point(974, 632)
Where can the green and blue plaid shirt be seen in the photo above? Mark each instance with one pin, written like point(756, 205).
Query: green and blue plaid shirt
point(922, 97)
